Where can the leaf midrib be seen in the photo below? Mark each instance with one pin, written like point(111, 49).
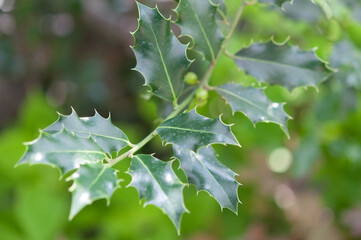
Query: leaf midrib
point(203, 31)
point(100, 135)
point(212, 177)
point(164, 65)
point(150, 173)
point(273, 63)
point(187, 129)
point(245, 100)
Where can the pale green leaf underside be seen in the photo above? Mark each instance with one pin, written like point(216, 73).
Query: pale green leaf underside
point(277, 2)
point(161, 58)
point(158, 185)
point(192, 131)
point(109, 137)
point(197, 19)
point(254, 104)
point(63, 150)
point(91, 182)
point(284, 65)
point(207, 173)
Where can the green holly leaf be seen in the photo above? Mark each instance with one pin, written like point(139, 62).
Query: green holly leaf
point(64, 150)
point(197, 19)
point(207, 173)
point(276, 2)
point(109, 137)
point(161, 58)
point(192, 131)
point(158, 185)
point(91, 182)
point(284, 65)
point(254, 104)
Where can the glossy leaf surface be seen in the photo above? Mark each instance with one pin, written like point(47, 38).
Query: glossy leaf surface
point(161, 58)
point(109, 137)
point(254, 104)
point(192, 131)
point(158, 185)
point(197, 19)
point(91, 182)
point(207, 173)
point(284, 65)
point(63, 150)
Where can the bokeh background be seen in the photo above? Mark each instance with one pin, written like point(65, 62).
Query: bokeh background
point(56, 54)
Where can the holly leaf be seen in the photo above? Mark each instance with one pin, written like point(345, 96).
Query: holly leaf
point(197, 19)
point(254, 104)
point(63, 150)
point(109, 137)
point(275, 2)
point(207, 173)
point(91, 182)
point(158, 185)
point(284, 65)
point(161, 58)
point(192, 131)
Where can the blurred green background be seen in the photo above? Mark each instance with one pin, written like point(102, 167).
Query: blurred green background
point(56, 54)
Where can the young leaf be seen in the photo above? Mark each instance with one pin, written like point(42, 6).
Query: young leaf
point(275, 2)
point(254, 104)
point(109, 137)
point(91, 182)
point(158, 185)
point(207, 173)
point(285, 65)
point(192, 131)
point(161, 58)
point(63, 150)
point(197, 19)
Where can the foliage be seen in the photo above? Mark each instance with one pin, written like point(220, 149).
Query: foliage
point(112, 145)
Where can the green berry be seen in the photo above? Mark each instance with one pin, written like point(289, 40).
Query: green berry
point(191, 78)
point(201, 95)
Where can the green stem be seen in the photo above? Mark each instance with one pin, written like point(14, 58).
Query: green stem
point(186, 101)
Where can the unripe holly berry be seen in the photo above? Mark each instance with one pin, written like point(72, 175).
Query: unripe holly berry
point(191, 78)
point(201, 95)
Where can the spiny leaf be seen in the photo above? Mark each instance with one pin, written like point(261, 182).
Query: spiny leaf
point(161, 58)
point(158, 185)
point(109, 137)
point(91, 182)
point(197, 19)
point(254, 104)
point(204, 170)
point(276, 2)
point(63, 150)
point(284, 65)
point(192, 131)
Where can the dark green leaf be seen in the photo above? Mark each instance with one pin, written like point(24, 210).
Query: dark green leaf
point(254, 104)
point(192, 131)
point(109, 137)
point(161, 58)
point(284, 65)
point(197, 19)
point(204, 170)
point(158, 185)
point(63, 150)
point(91, 182)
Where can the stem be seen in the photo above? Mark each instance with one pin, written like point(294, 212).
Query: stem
point(186, 101)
